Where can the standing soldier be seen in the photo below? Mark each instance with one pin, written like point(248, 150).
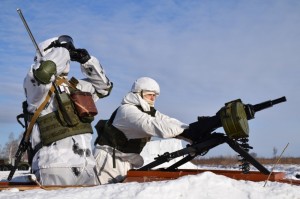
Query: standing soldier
point(62, 133)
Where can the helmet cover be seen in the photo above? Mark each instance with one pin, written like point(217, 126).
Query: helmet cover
point(145, 84)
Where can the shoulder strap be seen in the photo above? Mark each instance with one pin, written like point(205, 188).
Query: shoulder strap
point(112, 117)
point(39, 110)
point(37, 113)
point(71, 83)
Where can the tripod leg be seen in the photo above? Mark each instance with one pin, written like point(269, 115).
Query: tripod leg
point(181, 162)
point(192, 151)
point(236, 147)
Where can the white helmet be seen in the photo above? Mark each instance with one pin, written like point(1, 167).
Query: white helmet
point(145, 84)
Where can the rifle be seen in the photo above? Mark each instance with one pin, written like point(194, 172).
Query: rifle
point(24, 144)
point(236, 140)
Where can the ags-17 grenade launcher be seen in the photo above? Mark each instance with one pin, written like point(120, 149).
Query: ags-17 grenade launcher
point(234, 118)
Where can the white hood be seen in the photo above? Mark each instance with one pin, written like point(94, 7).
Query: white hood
point(42, 46)
point(60, 56)
point(135, 99)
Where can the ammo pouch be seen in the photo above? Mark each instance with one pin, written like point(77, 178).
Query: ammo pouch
point(84, 104)
point(78, 106)
point(53, 129)
point(66, 110)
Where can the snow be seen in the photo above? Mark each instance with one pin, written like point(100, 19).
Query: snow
point(206, 185)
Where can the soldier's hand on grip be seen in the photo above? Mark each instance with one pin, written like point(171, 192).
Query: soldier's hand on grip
point(202, 128)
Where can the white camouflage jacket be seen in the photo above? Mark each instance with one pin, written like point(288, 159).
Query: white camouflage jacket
point(136, 124)
point(59, 153)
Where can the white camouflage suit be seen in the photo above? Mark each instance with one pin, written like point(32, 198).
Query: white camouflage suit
point(134, 123)
point(56, 164)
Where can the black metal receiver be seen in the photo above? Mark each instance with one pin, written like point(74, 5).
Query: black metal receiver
point(238, 142)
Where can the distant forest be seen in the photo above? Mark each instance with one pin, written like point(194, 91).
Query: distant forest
point(10, 148)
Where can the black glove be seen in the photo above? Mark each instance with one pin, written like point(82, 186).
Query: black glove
point(202, 128)
point(80, 55)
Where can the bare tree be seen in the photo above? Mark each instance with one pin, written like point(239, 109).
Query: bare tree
point(275, 152)
point(253, 154)
point(1, 152)
point(11, 147)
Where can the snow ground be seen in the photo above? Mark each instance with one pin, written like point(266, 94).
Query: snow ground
point(206, 185)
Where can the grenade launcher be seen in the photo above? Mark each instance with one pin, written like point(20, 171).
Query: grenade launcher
point(234, 118)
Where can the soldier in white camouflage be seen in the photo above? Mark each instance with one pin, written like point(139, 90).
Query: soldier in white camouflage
point(60, 138)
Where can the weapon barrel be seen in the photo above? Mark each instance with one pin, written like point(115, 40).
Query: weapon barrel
point(29, 32)
point(24, 142)
point(267, 104)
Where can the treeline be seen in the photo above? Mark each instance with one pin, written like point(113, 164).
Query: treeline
point(8, 151)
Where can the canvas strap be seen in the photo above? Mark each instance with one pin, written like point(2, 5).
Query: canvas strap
point(36, 114)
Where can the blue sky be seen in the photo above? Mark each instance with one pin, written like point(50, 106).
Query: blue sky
point(202, 53)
